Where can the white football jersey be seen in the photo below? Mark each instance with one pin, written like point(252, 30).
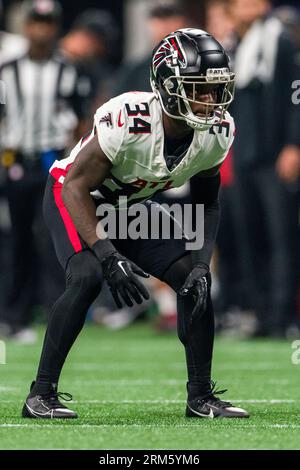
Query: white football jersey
point(131, 134)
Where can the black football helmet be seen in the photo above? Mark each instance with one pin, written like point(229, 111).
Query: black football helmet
point(190, 66)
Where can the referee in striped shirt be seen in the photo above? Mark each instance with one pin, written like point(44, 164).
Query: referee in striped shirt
point(46, 104)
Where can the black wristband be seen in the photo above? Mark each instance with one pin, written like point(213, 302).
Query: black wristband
point(103, 248)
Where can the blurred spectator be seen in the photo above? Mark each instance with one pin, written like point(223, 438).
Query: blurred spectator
point(290, 18)
point(91, 45)
point(43, 109)
point(266, 161)
point(11, 45)
point(134, 76)
point(219, 22)
point(288, 166)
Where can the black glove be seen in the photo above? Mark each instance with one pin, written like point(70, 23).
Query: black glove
point(196, 284)
point(120, 274)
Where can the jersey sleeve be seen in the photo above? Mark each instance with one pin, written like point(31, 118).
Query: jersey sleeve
point(109, 122)
point(226, 137)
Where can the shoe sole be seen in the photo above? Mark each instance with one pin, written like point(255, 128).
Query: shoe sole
point(26, 414)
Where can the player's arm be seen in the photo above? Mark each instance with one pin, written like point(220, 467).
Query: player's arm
point(88, 172)
point(209, 173)
point(204, 190)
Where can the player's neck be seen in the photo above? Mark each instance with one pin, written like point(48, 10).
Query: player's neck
point(175, 128)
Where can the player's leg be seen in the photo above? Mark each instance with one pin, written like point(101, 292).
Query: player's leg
point(83, 282)
point(197, 333)
point(197, 336)
point(168, 260)
point(67, 317)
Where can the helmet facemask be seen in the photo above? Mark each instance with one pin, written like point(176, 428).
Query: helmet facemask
point(218, 88)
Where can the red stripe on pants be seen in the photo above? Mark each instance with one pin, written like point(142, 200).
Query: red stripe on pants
point(68, 222)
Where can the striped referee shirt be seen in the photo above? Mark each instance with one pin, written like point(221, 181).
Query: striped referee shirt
point(44, 102)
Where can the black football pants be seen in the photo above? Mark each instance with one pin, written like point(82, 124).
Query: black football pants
point(83, 284)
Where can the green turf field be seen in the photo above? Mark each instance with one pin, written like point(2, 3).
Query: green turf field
point(129, 390)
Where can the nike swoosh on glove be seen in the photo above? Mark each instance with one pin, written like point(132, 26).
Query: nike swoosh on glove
point(196, 284)
point(120, 274)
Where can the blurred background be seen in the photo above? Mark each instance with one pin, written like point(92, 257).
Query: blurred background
point(60, 61)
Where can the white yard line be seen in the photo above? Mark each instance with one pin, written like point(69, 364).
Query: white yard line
point(129, 382)
point(164, 402)
point(8, 389)
point(143, 426)
point(167, 402)
point(132, 382)
point(174, 365)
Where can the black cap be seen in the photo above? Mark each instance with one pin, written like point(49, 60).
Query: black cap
point(166, 9)
point(44, 10)
point(99, 22)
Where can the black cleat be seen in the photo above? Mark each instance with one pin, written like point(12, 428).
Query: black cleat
point(209, 406)
point(48, 406)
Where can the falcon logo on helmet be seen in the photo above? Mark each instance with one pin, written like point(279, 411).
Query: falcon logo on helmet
point(170, 52)
point(190, 75)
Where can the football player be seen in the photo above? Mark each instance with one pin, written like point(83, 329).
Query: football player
point(142, 143)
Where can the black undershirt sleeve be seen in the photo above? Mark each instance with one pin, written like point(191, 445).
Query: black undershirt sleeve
point(206, 191)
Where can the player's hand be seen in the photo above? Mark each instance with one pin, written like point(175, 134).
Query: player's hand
point(196, 284)
point(121, 276)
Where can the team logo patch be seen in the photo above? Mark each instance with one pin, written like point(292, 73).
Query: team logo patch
point(170, 52)
point(106, 119)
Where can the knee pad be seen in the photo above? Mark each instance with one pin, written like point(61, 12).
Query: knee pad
point(177, 273)
point(84, 269)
